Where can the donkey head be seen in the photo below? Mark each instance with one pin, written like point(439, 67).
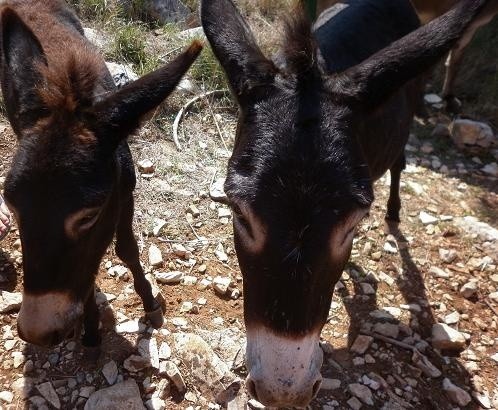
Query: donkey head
point(72, 166)
point(298, 182)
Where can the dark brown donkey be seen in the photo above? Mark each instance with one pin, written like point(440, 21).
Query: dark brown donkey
point(316, 128)
point(428, 10)
point(72, 177)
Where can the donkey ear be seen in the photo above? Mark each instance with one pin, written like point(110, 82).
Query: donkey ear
point(121, 113)
point(370, 83)
point(21, 55)
point(235, 47)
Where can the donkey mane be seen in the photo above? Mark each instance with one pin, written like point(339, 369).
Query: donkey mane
point(70, 69)
point(299, 47)
point(70, 84)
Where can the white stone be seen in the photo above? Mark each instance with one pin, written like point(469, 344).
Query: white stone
point(445, 337)
point(164, 351)
point(423, 363)
point(361, 344)
point(216, 191)
point(386, 278)
point(110, 372)
point(206, 367)
point(427, 218)
point(448, 255)
point(189, 280)
point(155, 403)
point(432, 99)
point(10, 302)
point(171, 370)
point(491, 169)
point(367, 289)
point(47, 391)
point(169, 278)
point(393, 311)
point(18, 358)
point(456, 394)
point(146, 166)
point(179, 321)
point(387, 329)
point(439, 273)
point(220, 253)
point(6, 396)
point(417, 188)
point(473, 226)
point(148, 350)
point(469, 290)
point(95, 37)
point(117, 270)
point(330, 384)
point(221, 284)
point(482, 399)
point(122, 74)
point(354, 403)
point(124, 395)
point(467, 133)
point(158, 225)
point(131, 326)
point(155, 256)
point(136, 363)
point(186, 307)
point(361, 392)
point(452, 318)
point(493, 296)
point(86, 391)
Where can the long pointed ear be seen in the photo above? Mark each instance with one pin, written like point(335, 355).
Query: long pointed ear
point(21, 55)
point(120, 114)
point(235, 47)
point(373, 81)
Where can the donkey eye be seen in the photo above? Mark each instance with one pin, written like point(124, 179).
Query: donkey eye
point(239, 218)
point(236, 210)
point(81, 221)
point(87, 219)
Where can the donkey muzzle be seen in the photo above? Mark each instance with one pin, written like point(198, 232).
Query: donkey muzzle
point(46, 319)
point(283, 371)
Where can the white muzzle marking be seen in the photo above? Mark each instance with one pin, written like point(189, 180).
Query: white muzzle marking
point(43, 319)
point(283, 371)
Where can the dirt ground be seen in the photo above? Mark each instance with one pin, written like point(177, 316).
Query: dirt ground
point(183, 178)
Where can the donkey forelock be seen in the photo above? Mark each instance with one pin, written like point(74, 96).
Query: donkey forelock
point(71, 84)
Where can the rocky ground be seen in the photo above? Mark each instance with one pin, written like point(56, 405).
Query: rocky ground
point(413, 322)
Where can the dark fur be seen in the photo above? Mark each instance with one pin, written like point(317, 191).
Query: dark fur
point(72, 154)
point(311, 141)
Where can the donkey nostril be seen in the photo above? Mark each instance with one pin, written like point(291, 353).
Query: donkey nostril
point(251, 388)
point(316, 388)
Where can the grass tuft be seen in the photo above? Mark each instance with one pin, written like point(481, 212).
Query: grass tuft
point(129, 46)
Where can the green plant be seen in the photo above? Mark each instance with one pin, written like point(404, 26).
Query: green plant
point(129, 46)
point(208, 72)
point(99, 10)
point(192, 4)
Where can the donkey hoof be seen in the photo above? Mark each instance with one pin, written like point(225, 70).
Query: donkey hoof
point(155, 318)
point(452, 105)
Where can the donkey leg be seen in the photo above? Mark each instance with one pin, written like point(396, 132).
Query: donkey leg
point(394, 202)
point(127, 251)
point(92, 339)
point(452, 67)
